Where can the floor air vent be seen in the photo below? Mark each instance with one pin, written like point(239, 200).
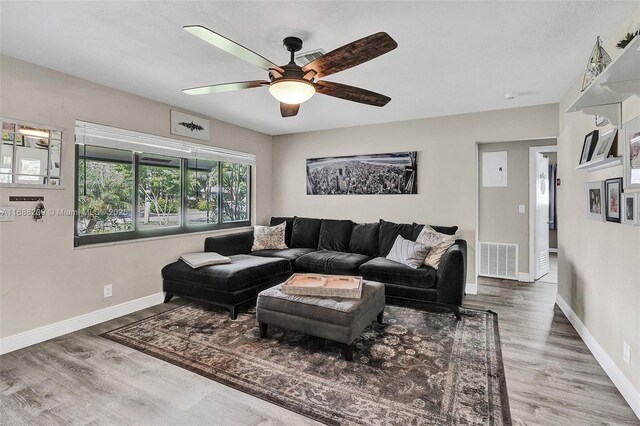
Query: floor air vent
point(499, 260)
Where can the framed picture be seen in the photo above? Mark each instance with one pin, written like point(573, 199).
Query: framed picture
point(604, 145)
point(392, 173)
point(631, 156)
point(594, 192)
point(589, 145)
point(613, 192)
point(630, 214)
point(189, 125)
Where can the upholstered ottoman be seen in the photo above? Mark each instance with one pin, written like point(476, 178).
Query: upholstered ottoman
point(340, 320)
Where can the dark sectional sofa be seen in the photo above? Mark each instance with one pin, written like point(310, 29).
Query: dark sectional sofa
point(322, 246)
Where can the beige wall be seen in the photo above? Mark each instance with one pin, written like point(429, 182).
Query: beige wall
point(446, 161)
point(42, 278)
point(499, 219)
point(599, 262)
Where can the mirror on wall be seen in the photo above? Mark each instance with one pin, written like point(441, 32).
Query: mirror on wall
point(29, 154)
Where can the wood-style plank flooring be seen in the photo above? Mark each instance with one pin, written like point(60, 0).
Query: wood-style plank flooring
point(81, 378)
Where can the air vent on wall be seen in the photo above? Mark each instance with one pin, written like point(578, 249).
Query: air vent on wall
point(498, 260)
point(305, 58)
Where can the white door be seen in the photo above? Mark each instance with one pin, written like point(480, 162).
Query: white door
point(541, 236)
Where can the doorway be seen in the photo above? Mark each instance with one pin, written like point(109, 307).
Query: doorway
point(504, 210)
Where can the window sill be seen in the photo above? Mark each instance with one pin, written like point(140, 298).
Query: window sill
point(163, 237)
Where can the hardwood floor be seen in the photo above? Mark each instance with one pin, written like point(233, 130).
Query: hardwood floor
point(81, 378)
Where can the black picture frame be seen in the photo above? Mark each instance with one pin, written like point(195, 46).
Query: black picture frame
point(613, 196)
point(588, 146)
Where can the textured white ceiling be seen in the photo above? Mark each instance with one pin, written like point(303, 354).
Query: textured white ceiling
point(453, 57)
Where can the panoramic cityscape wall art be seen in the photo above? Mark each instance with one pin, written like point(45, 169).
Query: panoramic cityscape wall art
point(393, 173)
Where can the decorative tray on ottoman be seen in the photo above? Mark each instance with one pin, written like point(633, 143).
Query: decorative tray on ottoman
point(323, 286)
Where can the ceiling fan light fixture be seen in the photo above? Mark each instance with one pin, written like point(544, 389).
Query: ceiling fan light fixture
point(291, 91)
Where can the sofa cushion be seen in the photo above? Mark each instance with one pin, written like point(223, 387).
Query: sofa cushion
point(364, 239)
point(244, 271)
point(388, 271)
point(289, 227)
point(291, 254)
point(331, 262)
point(448, 230)
point(389, 231)
point(305, 232)
point(335, 235)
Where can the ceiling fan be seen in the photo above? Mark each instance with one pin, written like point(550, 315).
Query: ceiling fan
point(292, 84)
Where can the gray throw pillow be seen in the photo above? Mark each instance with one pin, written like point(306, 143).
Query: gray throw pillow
point(408, 253)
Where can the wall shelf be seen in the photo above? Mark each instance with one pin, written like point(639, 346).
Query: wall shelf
point(592, 166)
point(619, 81)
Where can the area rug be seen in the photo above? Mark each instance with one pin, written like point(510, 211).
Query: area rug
point(416, 368)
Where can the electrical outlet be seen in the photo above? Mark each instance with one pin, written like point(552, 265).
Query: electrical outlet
point(626, 352)
point(522, 208)
point(108, 291)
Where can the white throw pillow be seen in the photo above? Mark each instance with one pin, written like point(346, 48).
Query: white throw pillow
point(408, 253)
point(198, 260)
point(269, 237)
point(438, 242)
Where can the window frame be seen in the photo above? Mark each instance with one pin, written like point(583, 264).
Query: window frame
point(183, 228)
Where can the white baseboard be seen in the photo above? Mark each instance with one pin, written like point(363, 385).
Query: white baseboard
point(40, 334)
point(524, 277)
point(626, 388)
point(471, 288)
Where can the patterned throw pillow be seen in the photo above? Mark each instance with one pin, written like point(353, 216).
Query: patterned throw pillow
point(407, 252)
point(438, 242)
point(269, 237)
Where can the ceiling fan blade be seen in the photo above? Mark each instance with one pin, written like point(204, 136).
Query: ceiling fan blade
point(225, 87)
point(289, 110)
point(352, 54)
point(351, 93)
point(230, 46)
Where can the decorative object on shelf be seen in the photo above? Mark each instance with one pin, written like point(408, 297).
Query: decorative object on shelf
point(605, 142)
point(588, 146)
point(393, 173)
point(593, 196)
point(30, 154)
point(598, 61)
point(189, 125)
point(613, 192)
point(631, 156)
point(630, 214)
point(626, 40)
point(601, 120)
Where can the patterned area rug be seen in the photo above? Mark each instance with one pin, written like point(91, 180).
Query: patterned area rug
point(417, 368)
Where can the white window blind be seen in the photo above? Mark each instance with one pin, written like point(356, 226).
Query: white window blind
point(112, 137)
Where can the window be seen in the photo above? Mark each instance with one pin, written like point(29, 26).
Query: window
point(130, 185)
point(235, 181)
point(105, 191)
point(202, 192)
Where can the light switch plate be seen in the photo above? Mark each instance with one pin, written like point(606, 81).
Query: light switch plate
point(522, 208)
point(7, 213)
